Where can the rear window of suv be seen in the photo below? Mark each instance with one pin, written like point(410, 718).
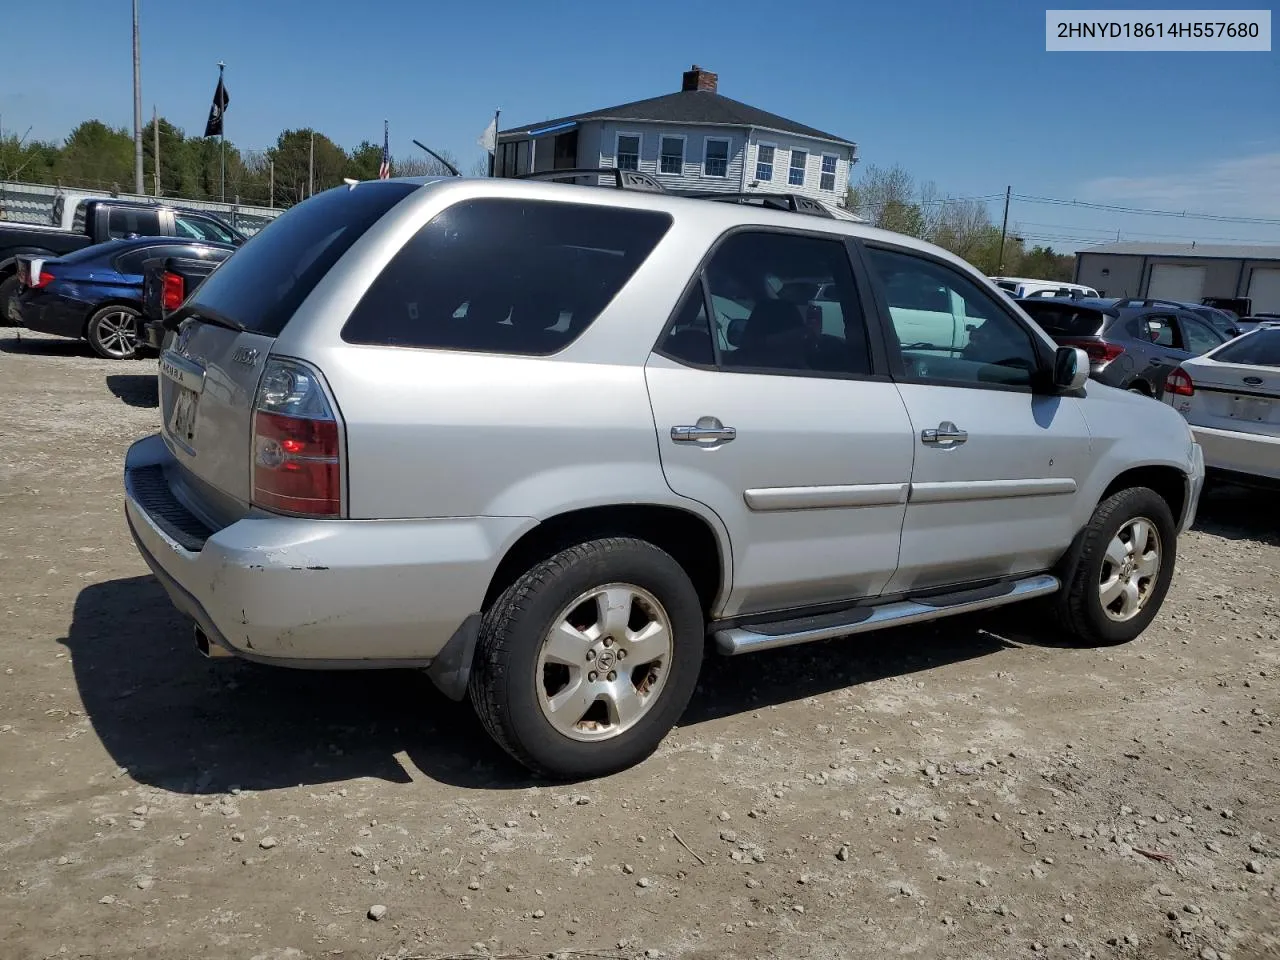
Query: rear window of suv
point(1061, 320)
point(502, 275)
point(268, 278)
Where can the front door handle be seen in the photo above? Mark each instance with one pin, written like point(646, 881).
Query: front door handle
point(946, 434)
point(707, 432)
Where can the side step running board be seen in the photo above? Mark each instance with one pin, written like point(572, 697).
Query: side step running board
point(751, 637)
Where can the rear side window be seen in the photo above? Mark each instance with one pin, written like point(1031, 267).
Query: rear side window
point(132, 222)
point(505, 276)
point(269, 277)
point(1260, 349)
point(1061, 320)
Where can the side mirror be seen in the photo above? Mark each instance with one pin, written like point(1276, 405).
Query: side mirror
point(1070, 368)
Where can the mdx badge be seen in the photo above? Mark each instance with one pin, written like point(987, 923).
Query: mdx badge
point(246, 355)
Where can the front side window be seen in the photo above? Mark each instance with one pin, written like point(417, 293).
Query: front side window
point(672, 158)
point(493, 275)
point(201, 228)
point(764, 161)
point(716, 162)
point(795, 174)
point(828, 172)
point(949, 329)
point(1199, 337)
point(785, 304)
point(628, 153)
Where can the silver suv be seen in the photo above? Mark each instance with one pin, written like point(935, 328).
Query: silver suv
point(546, 440)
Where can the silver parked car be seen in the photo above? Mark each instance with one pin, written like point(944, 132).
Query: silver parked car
point(1231, 398)
point(546, 440)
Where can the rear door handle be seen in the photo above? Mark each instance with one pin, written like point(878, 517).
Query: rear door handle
point(946, 434)
point(707, 432)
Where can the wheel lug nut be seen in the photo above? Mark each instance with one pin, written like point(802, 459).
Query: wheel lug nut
point(592, 676)
point(613, 675)
point(608, 641)
point(622, 654)
point(591, 654)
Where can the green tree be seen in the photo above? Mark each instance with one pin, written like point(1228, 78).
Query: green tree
point(887, 198)
point(365, 161)
point(292, 158)
point(96, 156)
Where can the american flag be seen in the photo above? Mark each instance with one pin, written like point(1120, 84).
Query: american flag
point(384, 171)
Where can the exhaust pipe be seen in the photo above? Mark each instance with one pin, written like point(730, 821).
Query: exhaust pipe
point(212, 651)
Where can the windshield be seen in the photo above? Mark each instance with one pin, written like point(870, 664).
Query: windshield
point(1259, 349)
point(269, 277)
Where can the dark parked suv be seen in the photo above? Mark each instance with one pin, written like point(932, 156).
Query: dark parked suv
point(1133, 345)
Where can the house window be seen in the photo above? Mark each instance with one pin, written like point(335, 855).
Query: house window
point(628, 151)
point(716, 161)
point(671, 156)
point(795, 176)
point(828, 181)
point(764, 161)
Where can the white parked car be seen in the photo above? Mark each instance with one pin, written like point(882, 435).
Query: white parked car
point(1026, 287)
point(1231, 398)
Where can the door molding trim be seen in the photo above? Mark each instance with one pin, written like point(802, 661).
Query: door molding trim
point(764, 499)
point(952, 491)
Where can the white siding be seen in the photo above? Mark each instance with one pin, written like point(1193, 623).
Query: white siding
point(783, 145)
point(694, 151)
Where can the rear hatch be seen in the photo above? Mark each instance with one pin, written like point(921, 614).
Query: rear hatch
point(1237, 386)
point(210, 371)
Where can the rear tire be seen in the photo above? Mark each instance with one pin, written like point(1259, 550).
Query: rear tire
point(8, 290)
point(587, 661)
point(115, 332)
point(1121, 570)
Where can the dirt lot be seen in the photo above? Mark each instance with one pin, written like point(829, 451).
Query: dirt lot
point(965, 791)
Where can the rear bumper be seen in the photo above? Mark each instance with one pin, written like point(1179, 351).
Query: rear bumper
point(1251, 454)
point(49, 315)
point(316, 593)
point(1195, 487)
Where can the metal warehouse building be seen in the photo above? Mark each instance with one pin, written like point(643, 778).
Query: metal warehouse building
point(1184, 271)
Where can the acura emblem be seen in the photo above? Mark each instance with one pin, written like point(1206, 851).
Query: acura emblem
point(184, 335)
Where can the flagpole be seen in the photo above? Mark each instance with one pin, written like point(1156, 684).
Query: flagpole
point(155, 131)
point(137, 108)
point(222, 132)
point(493, 155)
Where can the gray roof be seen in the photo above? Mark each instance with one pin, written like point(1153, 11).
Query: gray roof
point(1232, 251)
point(690, 107)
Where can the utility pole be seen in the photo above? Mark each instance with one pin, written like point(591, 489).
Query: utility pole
point(155, 129)
point(137, 107)
point(1004, 227)
point(311, 167)
point(271, 192)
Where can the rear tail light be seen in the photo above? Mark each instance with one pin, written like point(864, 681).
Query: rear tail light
point(172, 291)
point(1179, 383)
point(25, 278)
point(297, 456)
point(44, 280)
point(1099, 351)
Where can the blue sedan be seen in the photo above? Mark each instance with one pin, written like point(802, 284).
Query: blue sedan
point(96, 293)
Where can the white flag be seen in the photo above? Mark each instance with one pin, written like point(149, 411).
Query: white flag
point(489, 139)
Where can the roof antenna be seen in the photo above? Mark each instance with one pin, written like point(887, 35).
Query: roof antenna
point(447, 165)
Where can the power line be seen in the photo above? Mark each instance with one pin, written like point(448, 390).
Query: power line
point(1111, 231)
point(1116, 208)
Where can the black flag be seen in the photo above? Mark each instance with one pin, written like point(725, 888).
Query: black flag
point(220, 100)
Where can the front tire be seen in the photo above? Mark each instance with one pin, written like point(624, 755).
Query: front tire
point(1122, 570)
point(115, 332)
point(587, 661)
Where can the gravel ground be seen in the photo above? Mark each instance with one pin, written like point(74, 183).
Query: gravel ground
point(965, 791)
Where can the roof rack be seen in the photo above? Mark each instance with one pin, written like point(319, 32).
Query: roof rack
point(623, 179)
point(793, 202)
point(1149, 302)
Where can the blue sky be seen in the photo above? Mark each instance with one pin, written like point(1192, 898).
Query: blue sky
point(963, 95)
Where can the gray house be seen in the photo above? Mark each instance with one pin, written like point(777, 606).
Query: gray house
point(1184, 271)
point(695, 139)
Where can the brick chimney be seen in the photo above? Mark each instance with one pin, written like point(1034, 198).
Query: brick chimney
point(698, 79)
